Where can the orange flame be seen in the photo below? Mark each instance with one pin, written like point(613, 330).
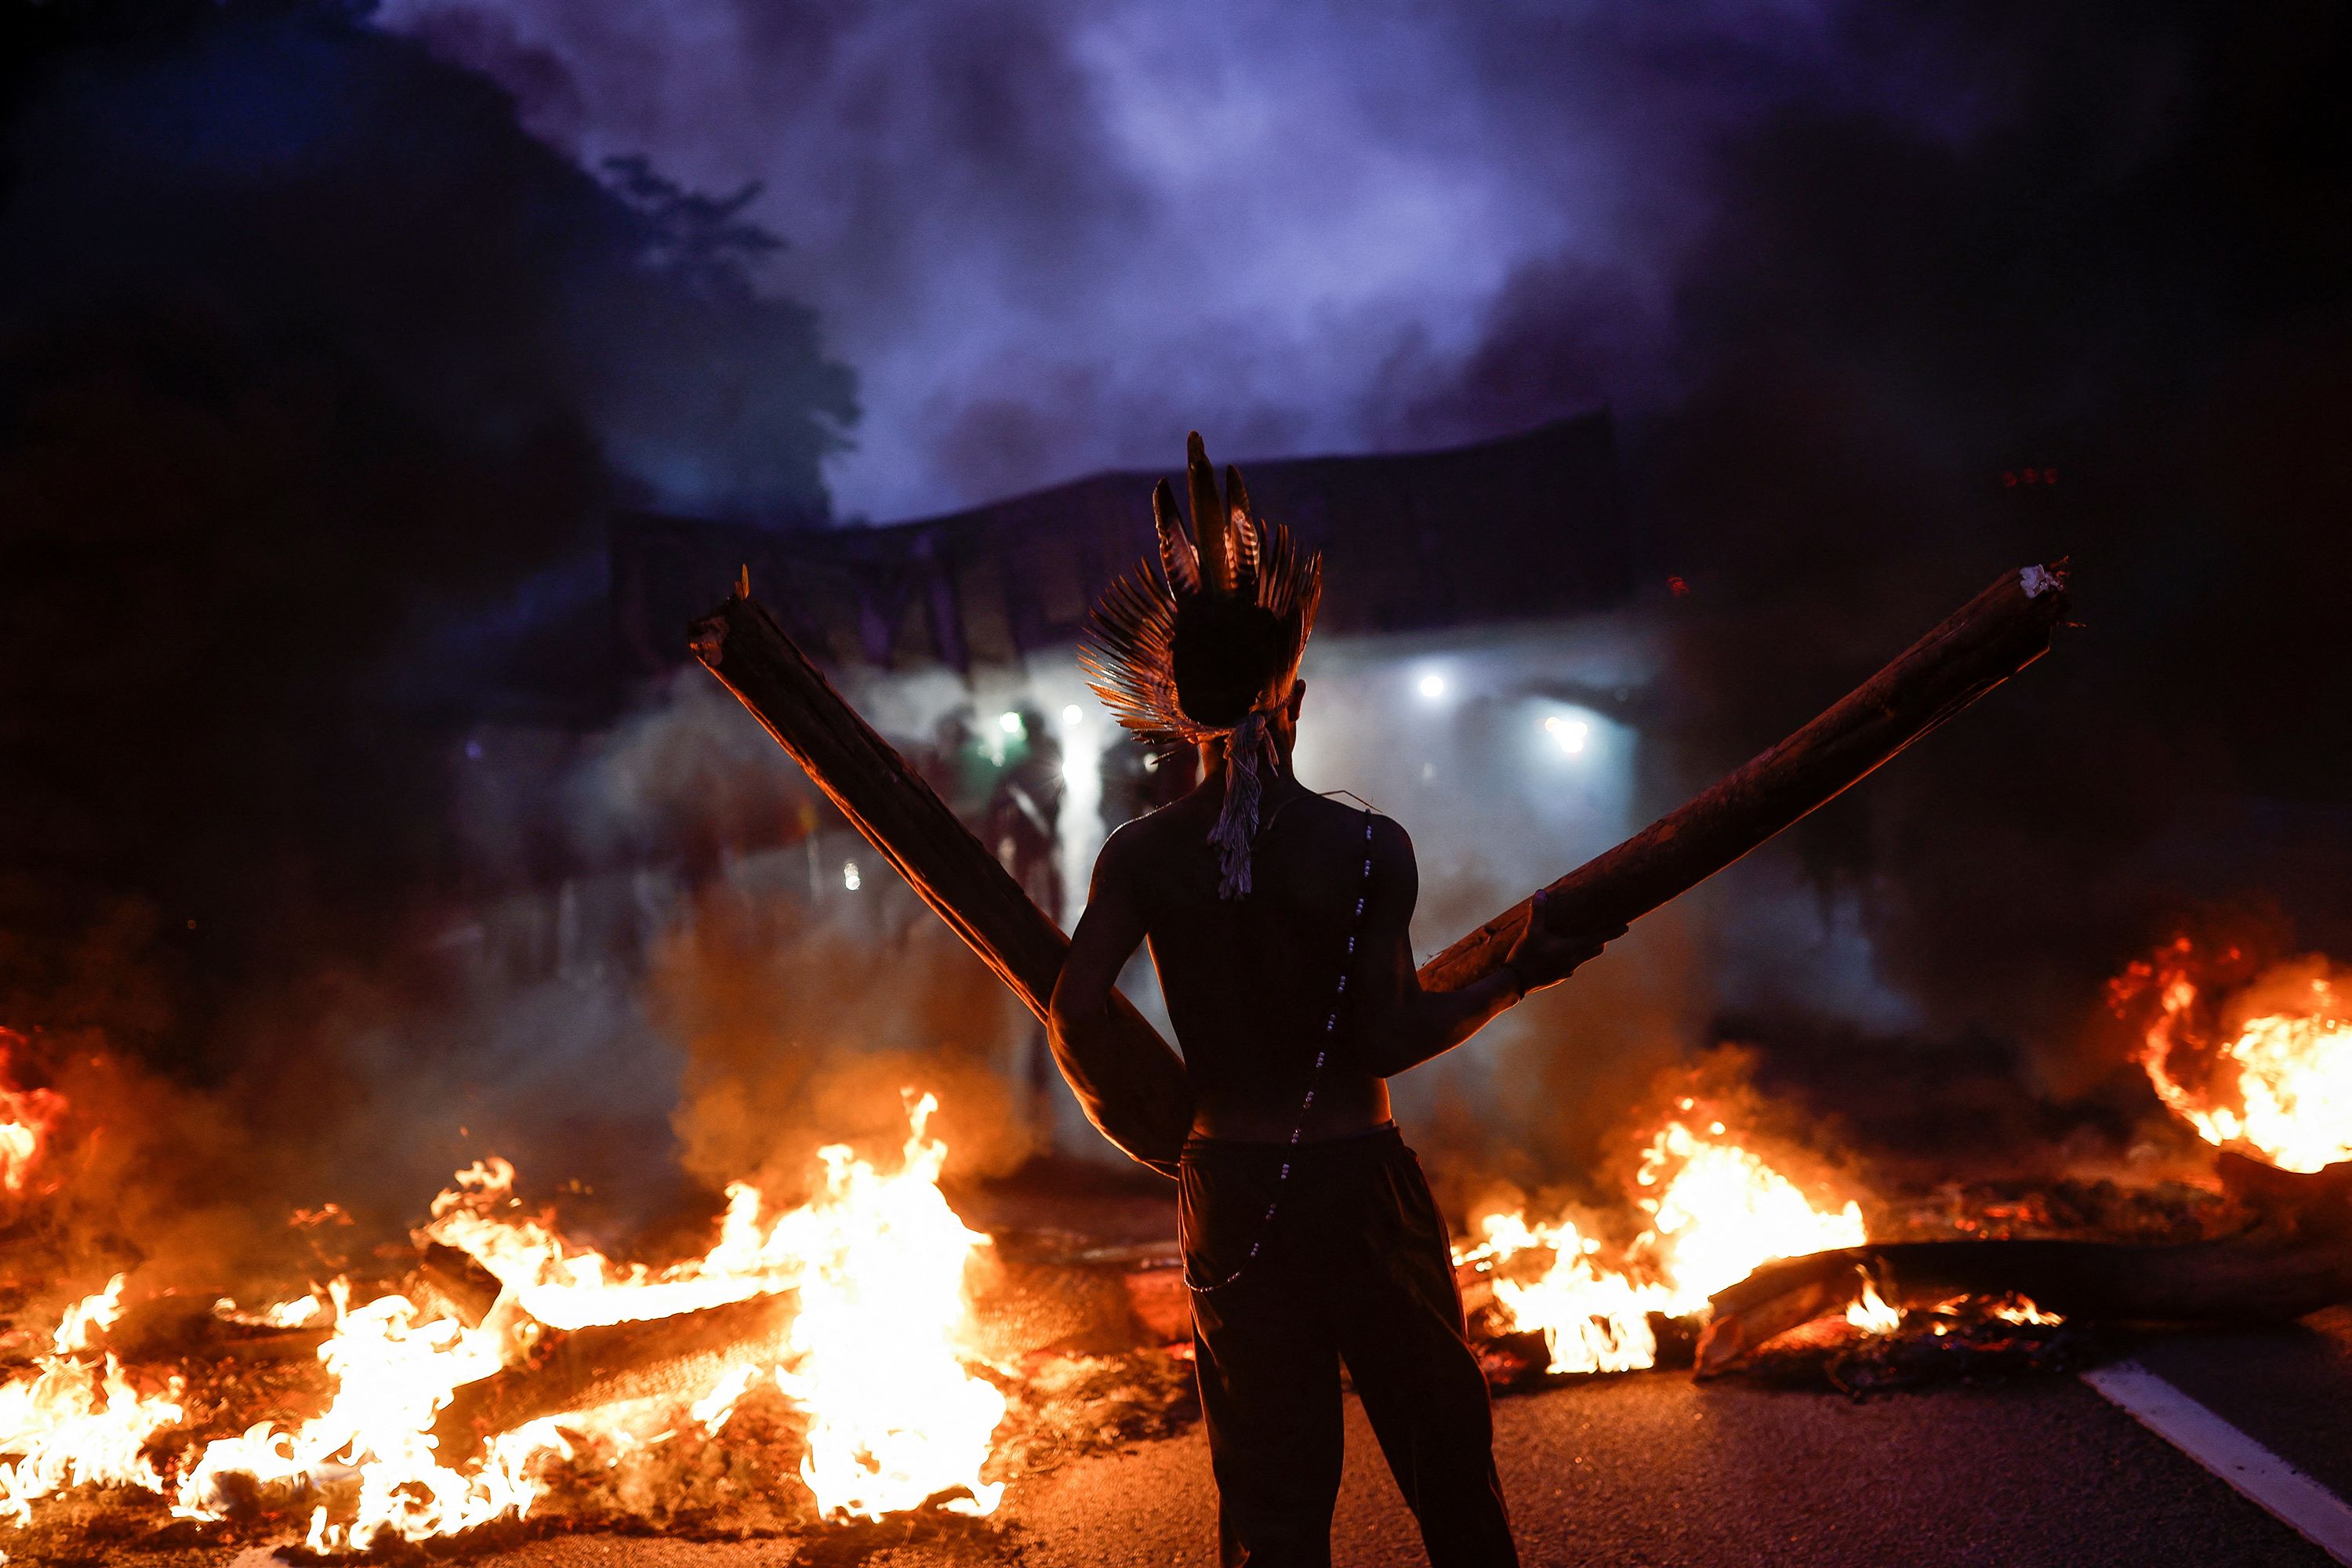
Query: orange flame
point(1718, 1212)
point(1873, 1314)
point(2016, 1308)
point(77, 1421)
point(876, 1261)
point(2269, 1071)
point(26, 1117)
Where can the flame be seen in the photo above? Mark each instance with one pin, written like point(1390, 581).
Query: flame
point(90, 1316)
point(873, 1351)
point(2015, 1309)
point(568, 1287)
point(1716, 1211)
point(2279, 1084)
point(26, 1117)
point(1592, 1319)
point(876, 1261)
point(78, 1421)
point(1722, 1211)
point(1873, 1314)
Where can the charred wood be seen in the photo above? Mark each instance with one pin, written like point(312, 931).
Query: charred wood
point(2293, 1256)
point(680, 1357)
point(454, 1284)
point(175, 1328)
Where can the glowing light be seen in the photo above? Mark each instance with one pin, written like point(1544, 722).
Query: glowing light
point(1432, 687)
point(2022, 1309)
point(26, 1117)
point(1571, 734)
point(1873, 1314)
point(2282, 1086)
point(874, 1355)
point(77, 1421)
point(1009, 723)
point(849, 875)
point(1718, 1212)
point(1073, 715)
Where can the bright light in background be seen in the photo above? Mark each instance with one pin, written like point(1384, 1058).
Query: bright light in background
point(1432, 687)
point(1081, 823)
point(1571, 734)
point(1009, 723)
point(849, 875)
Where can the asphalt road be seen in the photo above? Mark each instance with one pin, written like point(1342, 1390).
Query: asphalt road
point(1653, 1471)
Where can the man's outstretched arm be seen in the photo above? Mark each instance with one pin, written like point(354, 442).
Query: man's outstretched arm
point(1401, 1025)
point(1107, 935)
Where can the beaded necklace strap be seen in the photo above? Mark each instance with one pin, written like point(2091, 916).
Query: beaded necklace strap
point(1314, 1077)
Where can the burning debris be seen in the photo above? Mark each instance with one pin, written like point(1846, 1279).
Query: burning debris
point(27, 1112)
point(869, 1356)
point(1714, 1210)
point(1967, 1339)
point(2259, 1061)
point(1769, 1275)
point(460, 1400)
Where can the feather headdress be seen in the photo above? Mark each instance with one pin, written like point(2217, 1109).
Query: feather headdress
point(1208, 645)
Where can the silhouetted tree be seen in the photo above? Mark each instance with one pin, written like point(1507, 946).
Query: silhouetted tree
point(317, 376)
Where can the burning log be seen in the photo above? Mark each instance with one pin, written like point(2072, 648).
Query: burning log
point(2294, 1258)
point(950, 868)
point(682, 1356)
point(1134, 1088)
point(1982, 644)
point(452, 1283)
point(176, 1328)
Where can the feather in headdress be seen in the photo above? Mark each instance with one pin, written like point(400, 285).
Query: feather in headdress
point(1236, 588)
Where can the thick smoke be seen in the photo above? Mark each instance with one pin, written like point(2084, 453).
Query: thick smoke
point(1048, 233)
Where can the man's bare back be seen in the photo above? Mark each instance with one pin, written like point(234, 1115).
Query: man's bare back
point(1250, 983)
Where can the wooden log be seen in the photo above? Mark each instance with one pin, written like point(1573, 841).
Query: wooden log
point(681, 1357)
point(2294, 1258)
point(178, 1329)
point(1986, 641)
point(1133, 1086)
point(452, 1282)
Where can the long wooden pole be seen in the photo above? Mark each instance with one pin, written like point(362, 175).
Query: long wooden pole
point(1133, 1088)
point(1981, 644)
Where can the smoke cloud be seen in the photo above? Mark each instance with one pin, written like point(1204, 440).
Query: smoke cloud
point(1050, 233)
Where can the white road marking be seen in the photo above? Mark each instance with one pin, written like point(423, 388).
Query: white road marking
point(2270, 1482)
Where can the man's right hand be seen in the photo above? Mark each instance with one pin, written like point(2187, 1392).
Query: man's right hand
point(1543, 956)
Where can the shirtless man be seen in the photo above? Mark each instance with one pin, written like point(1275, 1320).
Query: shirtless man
point(1279, 921)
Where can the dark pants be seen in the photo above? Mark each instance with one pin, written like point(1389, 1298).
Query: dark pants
point(1354, 1267)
